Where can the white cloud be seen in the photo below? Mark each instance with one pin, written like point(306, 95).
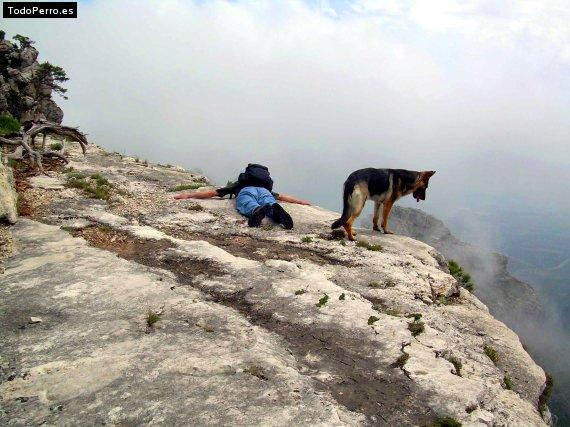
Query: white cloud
point(317, 90)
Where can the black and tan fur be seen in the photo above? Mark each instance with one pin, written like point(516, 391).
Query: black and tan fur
point(384, 187)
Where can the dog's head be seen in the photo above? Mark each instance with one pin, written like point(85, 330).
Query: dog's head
point(422, 185)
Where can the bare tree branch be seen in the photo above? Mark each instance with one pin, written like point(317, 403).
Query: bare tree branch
point(24, 140)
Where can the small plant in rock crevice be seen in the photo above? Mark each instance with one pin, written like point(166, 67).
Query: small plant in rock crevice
point(342, 297)
point(324, 299)
point(416, 327)
point(401, 361)
point(300, 292)
point(508, 383)
point(306, 239)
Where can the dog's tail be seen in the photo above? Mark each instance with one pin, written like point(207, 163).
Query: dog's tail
point(348, 187)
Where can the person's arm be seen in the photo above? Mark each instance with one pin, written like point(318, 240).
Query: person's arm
point(291, 199)
point(198, 195)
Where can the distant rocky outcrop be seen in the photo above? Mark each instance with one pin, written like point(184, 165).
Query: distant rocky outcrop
point(508, 298)
point(123, 306)
point(26, 85)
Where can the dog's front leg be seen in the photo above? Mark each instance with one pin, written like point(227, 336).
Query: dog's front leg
point(376, 216)
point(385, 214)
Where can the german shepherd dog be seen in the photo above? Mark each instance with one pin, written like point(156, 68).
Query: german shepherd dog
point(383, 186)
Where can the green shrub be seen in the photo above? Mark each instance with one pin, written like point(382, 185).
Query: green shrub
point(416, 328)
point(372, 320)
point(417, 316)
point(461, 276)
point(322, 301)
point(446, 422)
point(56, 146)
point(306, 239)
point(545, 395)
point(8, 124)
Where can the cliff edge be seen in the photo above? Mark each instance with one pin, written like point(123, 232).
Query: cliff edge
point(123, 306)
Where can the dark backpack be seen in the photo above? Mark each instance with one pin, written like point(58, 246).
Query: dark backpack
point(254, 176)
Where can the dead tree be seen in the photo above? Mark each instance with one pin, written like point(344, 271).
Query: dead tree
point(24, 142)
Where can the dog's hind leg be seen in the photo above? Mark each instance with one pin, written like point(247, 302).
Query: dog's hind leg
point(376, 216)
point(357, 201)
point(385, 214)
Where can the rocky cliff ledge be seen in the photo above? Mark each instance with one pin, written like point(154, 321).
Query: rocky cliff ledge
point(123, 306)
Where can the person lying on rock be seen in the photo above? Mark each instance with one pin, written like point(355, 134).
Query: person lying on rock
point(254, 197)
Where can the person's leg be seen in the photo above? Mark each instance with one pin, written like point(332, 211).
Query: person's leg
point(253, 204)
point(246, 201)
point(264, 196)
point(280, 216)
point(276, 213)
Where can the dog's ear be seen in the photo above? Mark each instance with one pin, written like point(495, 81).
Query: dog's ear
point(427, 174)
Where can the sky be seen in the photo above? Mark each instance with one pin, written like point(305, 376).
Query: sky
point(477, 90)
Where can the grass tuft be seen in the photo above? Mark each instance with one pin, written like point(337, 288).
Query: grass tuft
point(368, 246)
point(152, 318)
point(256, 371)
point(182, 187)
point(306, 239)
point(195, 207)
point(56, 146)
point(96, 186)
point(492, 354)
point(322, 301)
point(456, 364)
point(508, 383)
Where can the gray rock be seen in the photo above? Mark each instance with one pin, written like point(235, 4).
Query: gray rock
point(255, 326)
point(8, 196)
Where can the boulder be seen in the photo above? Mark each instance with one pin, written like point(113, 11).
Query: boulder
point(8, 195)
